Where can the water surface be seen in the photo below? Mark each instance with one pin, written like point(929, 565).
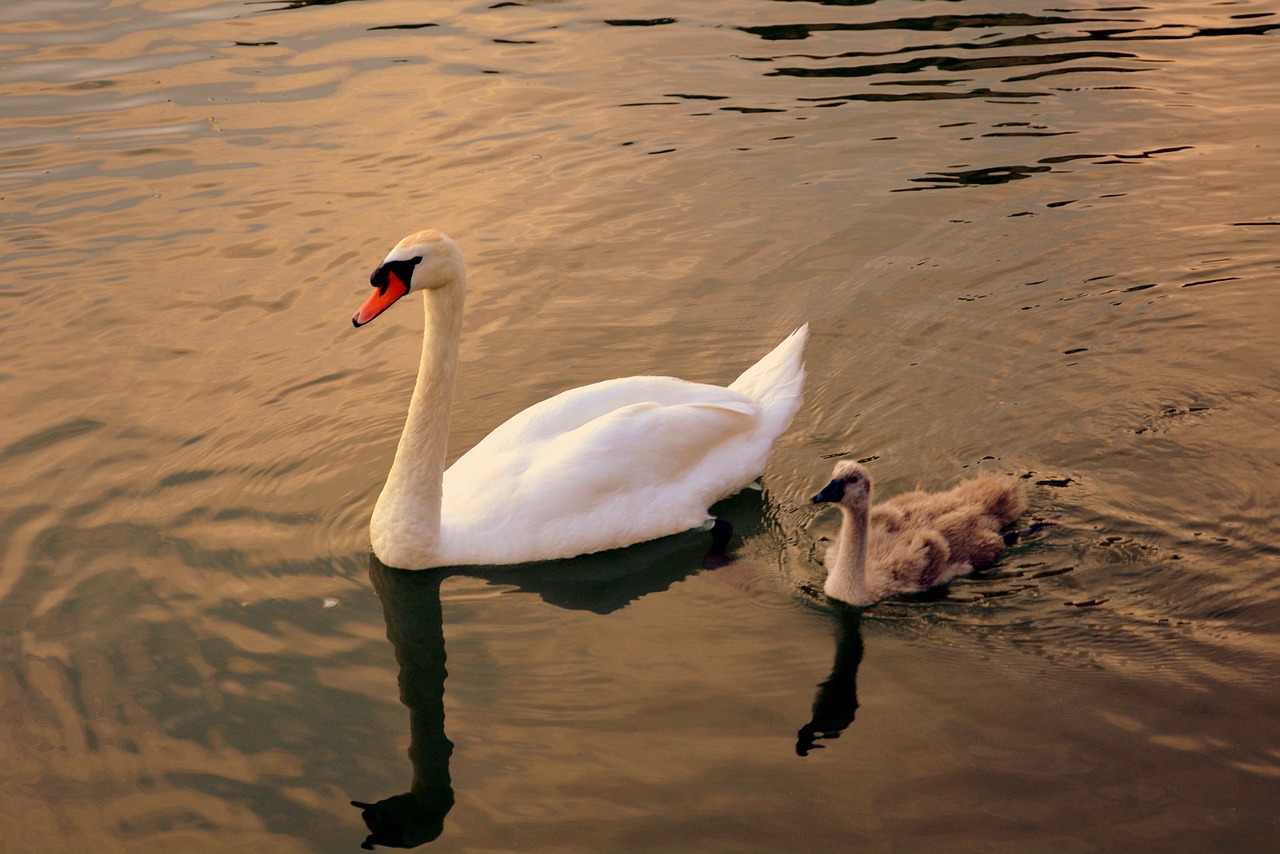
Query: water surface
point(1032, 239)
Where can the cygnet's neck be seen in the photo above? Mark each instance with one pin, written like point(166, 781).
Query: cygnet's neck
point(405, 528)
point(847, 572)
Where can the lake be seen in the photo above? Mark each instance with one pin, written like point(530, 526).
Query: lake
point(1041, 239)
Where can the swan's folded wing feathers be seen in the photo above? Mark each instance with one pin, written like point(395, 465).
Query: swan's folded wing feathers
point(645, 450)
point(637, 445)
point(574, 408)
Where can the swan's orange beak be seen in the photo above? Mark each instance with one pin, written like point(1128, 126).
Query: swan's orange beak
point(381, 300)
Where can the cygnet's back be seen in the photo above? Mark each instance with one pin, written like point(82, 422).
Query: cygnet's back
point(968, 517)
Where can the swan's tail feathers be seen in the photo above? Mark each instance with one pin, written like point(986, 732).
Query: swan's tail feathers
point(777, 380)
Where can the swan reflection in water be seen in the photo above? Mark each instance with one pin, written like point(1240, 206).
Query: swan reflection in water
point(415, 626)
point(411, 605)
point(836, 703)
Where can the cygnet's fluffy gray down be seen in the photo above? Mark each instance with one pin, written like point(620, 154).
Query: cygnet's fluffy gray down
point(914, 541)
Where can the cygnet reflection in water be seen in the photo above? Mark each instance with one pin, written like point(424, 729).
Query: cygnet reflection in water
point(836, 703)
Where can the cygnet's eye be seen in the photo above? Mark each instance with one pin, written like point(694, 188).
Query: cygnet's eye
point(853, 478)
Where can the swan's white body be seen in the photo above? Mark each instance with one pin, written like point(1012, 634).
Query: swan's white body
point(597, 467)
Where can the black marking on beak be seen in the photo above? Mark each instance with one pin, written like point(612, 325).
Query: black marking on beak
point(832, 492)
point(403, 270)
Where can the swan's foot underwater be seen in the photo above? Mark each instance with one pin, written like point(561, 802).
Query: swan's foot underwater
point(721, 532)
point(1012, 538)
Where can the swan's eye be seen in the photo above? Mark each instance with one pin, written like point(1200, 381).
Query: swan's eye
point(381, 277)
point(853, 478)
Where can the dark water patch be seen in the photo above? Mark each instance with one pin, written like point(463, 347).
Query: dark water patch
point(1018, 125)
point(1145, 155)
point(50, 436)
point(287, 5)
point(1259, 30)
point(934, 23)
point(1067, 158)
point(221, 308)
point(944, 63)
point(187, 477)
point(1171, 416)
point(403, 27)
point(921, 82)
point(1028, 133)
point(832, 2)
point(1211, 281)
point(984, 595)
point(983, 93)
point(752, 109)
point(1050, 573)
point(1119, 548)
point(835, 455)
point(1005, 174)
point(975, 177)
point(641, 22)
point(611, 581)
point(327, 379)
point(955, 64)
point(1079, 69)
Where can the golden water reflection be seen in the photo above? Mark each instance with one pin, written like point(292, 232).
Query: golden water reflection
point(192, 439)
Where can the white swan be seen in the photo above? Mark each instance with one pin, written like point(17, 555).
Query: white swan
point(593, 468)
point(914, 541)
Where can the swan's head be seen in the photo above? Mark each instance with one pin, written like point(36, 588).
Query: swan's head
point(850, 486)
point(426, 260)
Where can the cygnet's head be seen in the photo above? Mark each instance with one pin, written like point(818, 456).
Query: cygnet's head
point(425, 260)
point(850, 486)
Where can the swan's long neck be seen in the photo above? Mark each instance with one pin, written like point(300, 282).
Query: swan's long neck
point(405, 528)
point(847, 574)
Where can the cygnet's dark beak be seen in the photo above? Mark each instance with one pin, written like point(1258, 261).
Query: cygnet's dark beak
point(832, 492)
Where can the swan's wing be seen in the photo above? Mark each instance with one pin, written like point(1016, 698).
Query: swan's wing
point(572, 409)
point(644, 443)
point(638, 449)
